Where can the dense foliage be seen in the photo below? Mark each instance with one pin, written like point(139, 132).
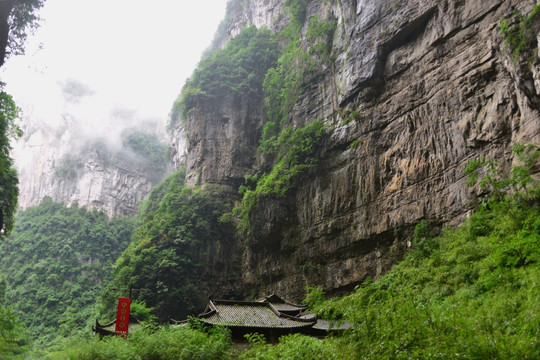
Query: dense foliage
point(163, 259)
point(56, 261)
point(298, 347)
point(471, 293)
point(237, 70)
point(14, 341)
point(182, 343)
point(9, 181)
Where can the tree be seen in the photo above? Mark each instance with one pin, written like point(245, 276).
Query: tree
point(18, 18)
point(56, 261)
point(13, 336)
point(9, 181)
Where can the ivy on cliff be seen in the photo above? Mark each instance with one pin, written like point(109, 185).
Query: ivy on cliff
point(297, 10)
point(291, 152)
point(296, 69)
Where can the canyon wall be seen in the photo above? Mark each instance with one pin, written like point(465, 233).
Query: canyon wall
point(431, 86)
point(69, 168)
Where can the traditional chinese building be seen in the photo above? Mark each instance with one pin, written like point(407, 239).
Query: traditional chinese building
point(271, 316)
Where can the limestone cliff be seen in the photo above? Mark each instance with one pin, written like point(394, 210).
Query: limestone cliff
point(57, 163)
point(431, 87)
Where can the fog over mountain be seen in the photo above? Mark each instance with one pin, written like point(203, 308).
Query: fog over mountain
point(91, 73)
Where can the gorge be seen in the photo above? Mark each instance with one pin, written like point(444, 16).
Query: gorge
point(316, 146)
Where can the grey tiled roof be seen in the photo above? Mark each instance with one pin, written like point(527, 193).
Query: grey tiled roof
point(287, 307)
point(249, 314)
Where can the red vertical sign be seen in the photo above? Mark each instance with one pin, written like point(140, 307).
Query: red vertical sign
point(122, 316)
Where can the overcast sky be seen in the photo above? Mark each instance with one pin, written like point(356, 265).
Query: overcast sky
point(94, 58)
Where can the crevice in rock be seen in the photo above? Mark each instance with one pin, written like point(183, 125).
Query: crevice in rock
point(372, 87)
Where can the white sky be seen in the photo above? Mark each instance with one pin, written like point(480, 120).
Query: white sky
point(134, 55)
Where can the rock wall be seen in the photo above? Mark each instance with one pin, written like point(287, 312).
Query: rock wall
point(434, 88)
point(52, 163)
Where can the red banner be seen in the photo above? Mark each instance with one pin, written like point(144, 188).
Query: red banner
point(122, 316)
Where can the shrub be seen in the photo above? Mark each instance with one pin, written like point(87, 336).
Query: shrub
point(165, 343)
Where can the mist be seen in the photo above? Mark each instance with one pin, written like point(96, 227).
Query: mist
point(94, 71)
point(96, 67)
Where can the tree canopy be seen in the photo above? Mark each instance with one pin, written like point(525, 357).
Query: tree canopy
point(59, 257)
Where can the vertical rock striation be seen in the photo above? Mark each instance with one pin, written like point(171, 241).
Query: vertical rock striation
point(51, 163)
point(432, 87)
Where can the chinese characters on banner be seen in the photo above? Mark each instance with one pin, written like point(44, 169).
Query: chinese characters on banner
point(122, 316)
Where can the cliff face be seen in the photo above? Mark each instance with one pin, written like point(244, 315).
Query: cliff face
point(91, 173)
point(432, 88)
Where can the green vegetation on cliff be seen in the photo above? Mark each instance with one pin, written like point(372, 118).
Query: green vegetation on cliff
point(59, 257)
point(163, 259)
point(236, 70)
point(295, 153)
point(140, 150)
point(289, 153)
point(297, 67)
point(520, 33)
point(152, 153)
